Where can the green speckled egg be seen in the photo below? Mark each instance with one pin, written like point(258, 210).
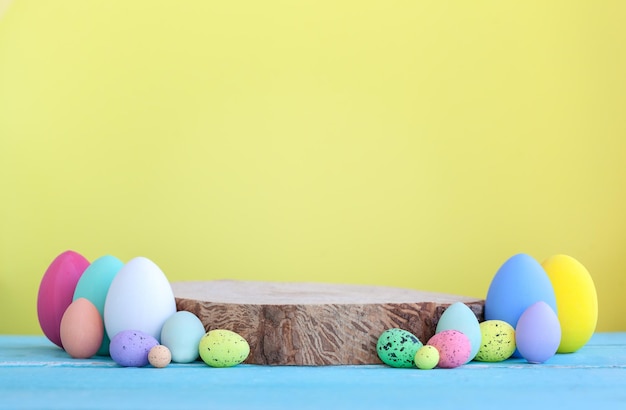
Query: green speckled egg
point(498, 341)
point(223, 348)
point(427, 357)
point(397, 347)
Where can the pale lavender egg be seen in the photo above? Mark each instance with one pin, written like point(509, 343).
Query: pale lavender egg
point(538, 333)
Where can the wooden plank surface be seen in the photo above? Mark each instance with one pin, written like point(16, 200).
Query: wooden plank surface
point(314, 323)
point(35, 374)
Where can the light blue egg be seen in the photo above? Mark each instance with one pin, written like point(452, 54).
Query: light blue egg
point(520, 282)
point(94, 284)
point(458, 316)
point(181, 333)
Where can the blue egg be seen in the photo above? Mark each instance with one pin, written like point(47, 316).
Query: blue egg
point(538, 333)
point(181, 333)
point(94, 284)
point(519, 283)
point(461, 318)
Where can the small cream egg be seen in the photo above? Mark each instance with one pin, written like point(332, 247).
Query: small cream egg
point(159, 356)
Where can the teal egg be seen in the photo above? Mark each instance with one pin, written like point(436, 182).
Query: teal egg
point(397, 347)
point(94, 285)
point(460, 317)
point(181, 333)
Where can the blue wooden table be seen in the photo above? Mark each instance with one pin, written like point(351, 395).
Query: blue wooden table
point(35, 374)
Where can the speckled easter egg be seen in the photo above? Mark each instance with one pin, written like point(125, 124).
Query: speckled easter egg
point(458, 316)
point(453, 346)
point(159, 356)
point(538, 333)
point(56, 292)
point(498, 341)
point(130, 348)
point(427, 357)
point(397, 347)
point(223, 348)
point(576, 301)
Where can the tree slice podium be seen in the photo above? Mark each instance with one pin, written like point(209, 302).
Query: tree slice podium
point(314, 323)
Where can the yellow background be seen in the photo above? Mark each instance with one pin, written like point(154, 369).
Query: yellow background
point(403, 143)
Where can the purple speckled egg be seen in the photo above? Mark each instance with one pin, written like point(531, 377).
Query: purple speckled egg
point(453, 346)
point(130, 348)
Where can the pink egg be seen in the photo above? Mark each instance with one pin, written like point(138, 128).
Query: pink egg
point(56, 292)
point(453, 346)
point(538, 333)
point(82, 329)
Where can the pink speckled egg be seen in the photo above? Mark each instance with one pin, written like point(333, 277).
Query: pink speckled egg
point(453, 346)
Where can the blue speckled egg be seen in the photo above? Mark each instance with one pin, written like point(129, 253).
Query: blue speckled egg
point(397, 347)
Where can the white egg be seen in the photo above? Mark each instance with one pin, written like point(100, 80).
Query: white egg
point(140, 298)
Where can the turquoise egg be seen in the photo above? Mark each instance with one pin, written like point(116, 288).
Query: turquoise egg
point(181, 333)
point(458, 316)
point(94, 284)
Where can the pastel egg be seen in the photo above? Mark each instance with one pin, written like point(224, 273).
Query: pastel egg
point(181, 333)
point(130, 348)
point(427, 357)
point(538, 333)
point(159, 356)
point(94, 285)
point(223, 348)
point(81, 329)
point(56, 291)
point(397, 347)
point(139, 298)
point(453, 346)
point(520, 282)
point(576, 301)
point(498, 341)
point(459, 316)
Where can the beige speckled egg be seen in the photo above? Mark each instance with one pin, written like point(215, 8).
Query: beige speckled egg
point(159, 356)
point(497, 343)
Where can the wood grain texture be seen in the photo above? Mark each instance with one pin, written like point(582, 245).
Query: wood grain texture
point(314, 323)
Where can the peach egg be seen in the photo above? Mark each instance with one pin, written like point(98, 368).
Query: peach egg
point(82, 329)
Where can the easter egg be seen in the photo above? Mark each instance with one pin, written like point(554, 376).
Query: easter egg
point(223, 348)
point(81, 329)
point(159, 356)
point(94, 284)
point(139, 298)
point(498, 341)
point(181, 333)
point(397, 347)
point(538, 333)
point(520, 282)
point(56, 291)
point(130, 348)
point(427, 357)
point(460, 317)
point(453, 346)
point(576, 301)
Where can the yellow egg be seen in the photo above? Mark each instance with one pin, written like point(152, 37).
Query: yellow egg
point(576, 301)
point(497, 341)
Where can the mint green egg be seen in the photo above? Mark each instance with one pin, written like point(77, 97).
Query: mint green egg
point(397, 347)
